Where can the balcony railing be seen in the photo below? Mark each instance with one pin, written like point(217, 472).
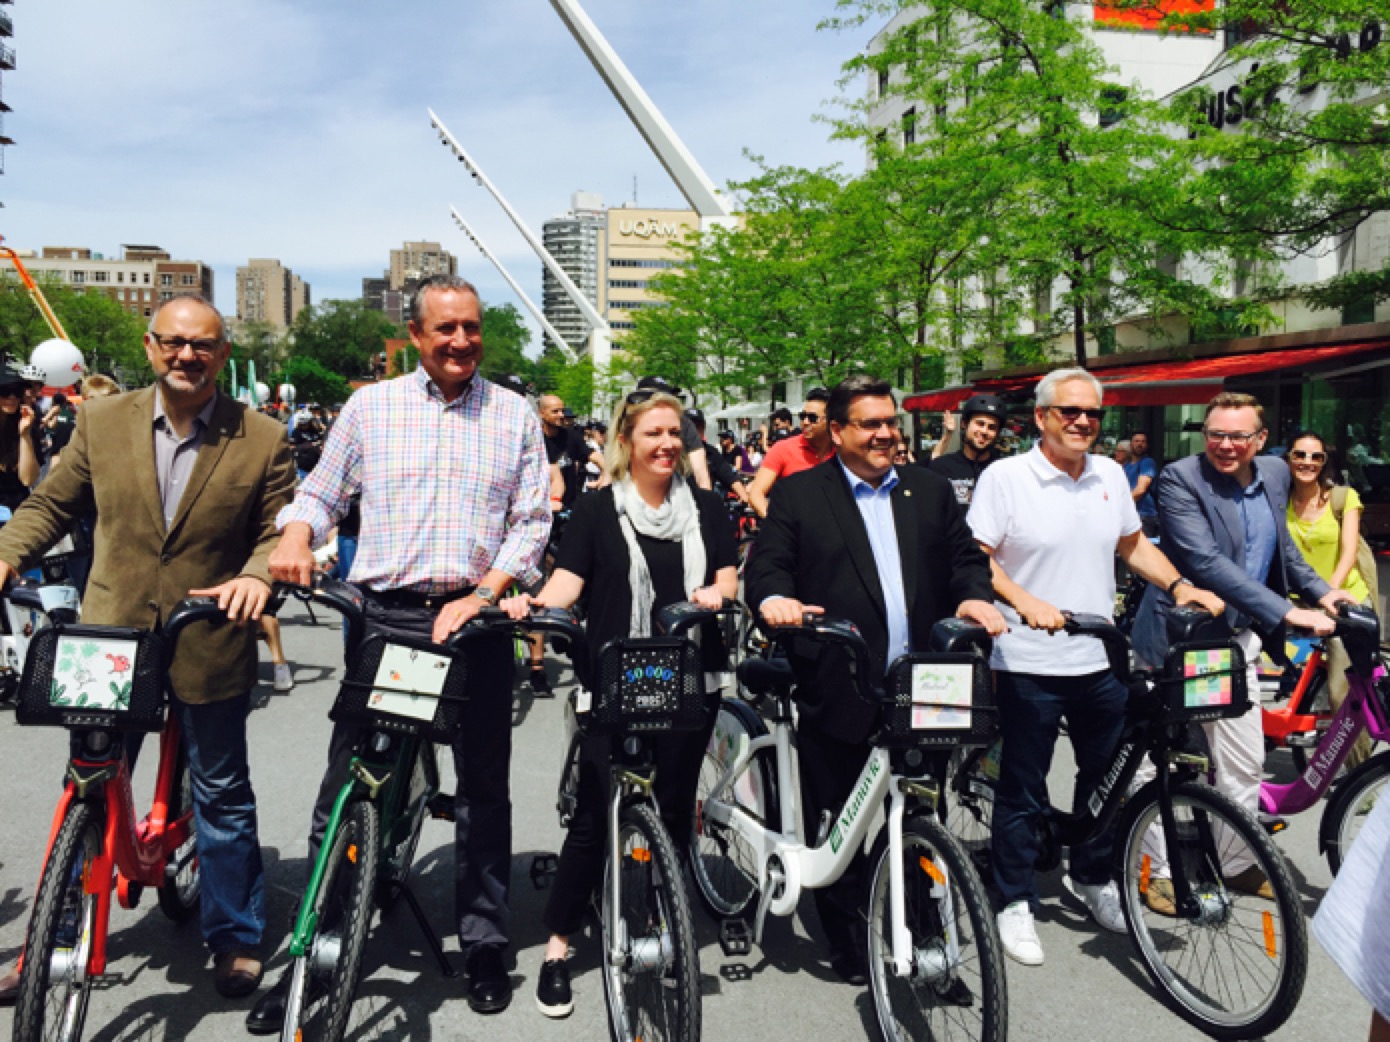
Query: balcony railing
point(6, 24)
point(6, 57)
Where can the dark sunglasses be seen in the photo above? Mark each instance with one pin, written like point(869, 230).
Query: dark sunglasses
point(810, 417)
point(1298, 455)
point(645, 394)
point(12, 391)
point(1072, 413)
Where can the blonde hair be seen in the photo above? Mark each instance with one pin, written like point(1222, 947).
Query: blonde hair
point(99, 386)
point(617, 453)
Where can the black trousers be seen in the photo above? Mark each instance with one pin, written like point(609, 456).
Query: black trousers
point(677, 758)
point(829, 769)
point(482, 762)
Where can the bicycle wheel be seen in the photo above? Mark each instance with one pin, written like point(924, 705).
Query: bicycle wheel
point(969, 803)
point(955, 987)
point(725, 866)
point(180, 896)
point(653, 986)
point(1234, 965)
point(325, 978)
point(53, 985)
point(1349, 806)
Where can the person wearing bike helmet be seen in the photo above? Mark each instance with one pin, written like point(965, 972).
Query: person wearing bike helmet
point(983, 418)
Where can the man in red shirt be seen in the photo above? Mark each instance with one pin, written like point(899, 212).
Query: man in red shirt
point(793, 455)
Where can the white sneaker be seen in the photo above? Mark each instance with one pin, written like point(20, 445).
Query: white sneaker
point(1019, 936)
point(1102, 900)
point(284, 679)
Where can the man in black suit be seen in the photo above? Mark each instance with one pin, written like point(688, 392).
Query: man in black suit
point(889, 550)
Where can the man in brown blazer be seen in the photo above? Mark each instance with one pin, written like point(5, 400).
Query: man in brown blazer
point(185, 483)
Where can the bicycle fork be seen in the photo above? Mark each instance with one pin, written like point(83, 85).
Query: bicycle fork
point(935, 965)
point(636, 955)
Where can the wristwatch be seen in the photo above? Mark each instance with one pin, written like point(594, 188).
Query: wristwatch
point(1179, 581)
point(486, 594)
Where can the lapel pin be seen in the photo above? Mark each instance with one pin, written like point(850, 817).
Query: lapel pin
point(907, 491)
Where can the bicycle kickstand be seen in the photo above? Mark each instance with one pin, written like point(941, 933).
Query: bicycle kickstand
point(431, 938)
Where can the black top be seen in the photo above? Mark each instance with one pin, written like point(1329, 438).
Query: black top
point(61, 432)
point(567, 450)
point(721, 472)
point(594, 549)
point(962, 472)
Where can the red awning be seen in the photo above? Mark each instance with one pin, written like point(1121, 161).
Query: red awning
point(1189, 382)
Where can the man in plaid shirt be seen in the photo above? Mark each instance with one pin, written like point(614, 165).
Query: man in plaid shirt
point(455, 505)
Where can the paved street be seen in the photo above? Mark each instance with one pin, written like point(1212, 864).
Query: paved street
point(1091, 987)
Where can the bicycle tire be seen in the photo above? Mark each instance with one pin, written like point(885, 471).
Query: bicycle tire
point(344, 908)
point(969, 806)
point(653, 991)
point(1346, 811)
point(181, 895)
point(959, 996)
point(62, 907)
point(1244, 933)
point(724, 865)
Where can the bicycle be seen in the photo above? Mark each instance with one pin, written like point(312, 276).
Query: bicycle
point(934, 957)
point(644, 687)
point(1176, 837)
point(18, 623)
point(1366, 708)
point(406, 694)
point(96, 846)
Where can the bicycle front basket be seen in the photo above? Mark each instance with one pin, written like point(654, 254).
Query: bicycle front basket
point(648, 684)
point(93, 676)
point(940, 699)
point(406, 685)
point(1202, 681)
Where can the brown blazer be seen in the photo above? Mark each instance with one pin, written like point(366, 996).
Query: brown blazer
point(224, 528)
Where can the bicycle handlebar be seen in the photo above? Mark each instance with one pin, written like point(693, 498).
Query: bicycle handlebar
point(677, 619)
point(557, 621)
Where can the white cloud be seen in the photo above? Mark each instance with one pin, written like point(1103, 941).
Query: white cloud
point(298, 130)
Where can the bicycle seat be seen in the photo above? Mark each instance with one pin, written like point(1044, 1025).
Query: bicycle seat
point(1188, 624)
point(764, 677)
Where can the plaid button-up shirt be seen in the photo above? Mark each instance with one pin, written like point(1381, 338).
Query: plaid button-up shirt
point(449, 489)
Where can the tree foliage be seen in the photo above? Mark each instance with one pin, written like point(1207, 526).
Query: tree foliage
point(313, 382)
point(341, 335)
point(109, 337)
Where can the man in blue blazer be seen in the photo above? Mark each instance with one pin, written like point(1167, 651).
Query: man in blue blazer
point(1222, 514)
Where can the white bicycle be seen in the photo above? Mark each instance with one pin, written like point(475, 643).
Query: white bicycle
point(935, 963)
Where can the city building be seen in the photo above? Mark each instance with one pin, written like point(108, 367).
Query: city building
point(575, 240)
point(390, 292)
point(138, 280)
point(7, 59)
point(269, 292)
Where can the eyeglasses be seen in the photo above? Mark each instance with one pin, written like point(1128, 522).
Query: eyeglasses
point(175, 344)
point(874, 426)
point(1234, 437)
point(811, 417)
point(1297, 455)
point(1072, 413)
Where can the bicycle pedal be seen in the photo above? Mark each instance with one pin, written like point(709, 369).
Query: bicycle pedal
point(1273, 825)
point(735, 972)
point(543, 869)
point(441, 806)
point(734, 937)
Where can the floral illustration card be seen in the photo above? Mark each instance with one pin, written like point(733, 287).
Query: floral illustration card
point(91, 673)
point(408, 682)
point(941, 695)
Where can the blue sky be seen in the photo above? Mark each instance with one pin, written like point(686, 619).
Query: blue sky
point(298, 130)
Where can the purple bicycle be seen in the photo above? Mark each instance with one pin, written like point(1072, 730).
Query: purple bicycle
point(1367, 707)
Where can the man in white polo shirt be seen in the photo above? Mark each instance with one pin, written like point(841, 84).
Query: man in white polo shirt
point(1052, 521)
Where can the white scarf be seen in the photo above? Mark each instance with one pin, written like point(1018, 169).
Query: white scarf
point(676, 520)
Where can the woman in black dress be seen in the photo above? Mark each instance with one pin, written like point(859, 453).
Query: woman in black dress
point(19, 457)
point(648, 540)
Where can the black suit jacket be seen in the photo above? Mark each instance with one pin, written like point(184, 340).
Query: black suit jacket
point(813, 546)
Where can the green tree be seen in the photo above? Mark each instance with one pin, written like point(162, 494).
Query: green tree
point(505, 338)
point(313, 382)
point(341, 335)
point(108, 336)
point(261, 343)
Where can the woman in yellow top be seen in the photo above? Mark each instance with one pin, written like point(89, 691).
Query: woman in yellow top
point(1329, 546)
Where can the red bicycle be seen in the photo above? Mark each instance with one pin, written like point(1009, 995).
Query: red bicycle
point(103, 683)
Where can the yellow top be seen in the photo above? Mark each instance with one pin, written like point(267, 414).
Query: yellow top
point(1320, 542)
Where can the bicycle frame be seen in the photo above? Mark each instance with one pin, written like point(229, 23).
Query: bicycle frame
point(1293, 719)
point(131, 852)
point(1360, 711)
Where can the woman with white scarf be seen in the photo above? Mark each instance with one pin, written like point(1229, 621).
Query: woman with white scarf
point(648, 540)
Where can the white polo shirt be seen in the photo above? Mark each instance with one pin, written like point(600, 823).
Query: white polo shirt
point(1056, 538)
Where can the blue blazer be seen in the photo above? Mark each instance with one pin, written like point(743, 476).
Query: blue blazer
point(1204, 538)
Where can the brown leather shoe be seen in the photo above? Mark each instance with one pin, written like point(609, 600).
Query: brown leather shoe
point(1251, 881)
point(9, 986)
point(1160, 898)
point(237, 974)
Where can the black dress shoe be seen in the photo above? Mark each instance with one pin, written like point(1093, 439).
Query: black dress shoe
point(850, 967)
point(267, 1017)
point(489, 987)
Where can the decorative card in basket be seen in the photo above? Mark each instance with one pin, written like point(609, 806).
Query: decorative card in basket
point(405, 684)
point(939, 699)
point(648, 684)
point(93, 676)
point(1205, 681)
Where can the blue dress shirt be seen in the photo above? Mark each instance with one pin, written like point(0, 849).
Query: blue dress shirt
point(1257, 518)
point(876, 508)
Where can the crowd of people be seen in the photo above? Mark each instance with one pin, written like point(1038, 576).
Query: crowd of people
point(443, 489)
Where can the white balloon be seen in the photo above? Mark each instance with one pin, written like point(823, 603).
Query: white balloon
point(60, 361)
point(286, 392)
point(262, 393)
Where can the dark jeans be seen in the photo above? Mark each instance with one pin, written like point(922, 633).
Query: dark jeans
point(677, 759)
point(482, 762)
point(1030, 710)
point(829, 769)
